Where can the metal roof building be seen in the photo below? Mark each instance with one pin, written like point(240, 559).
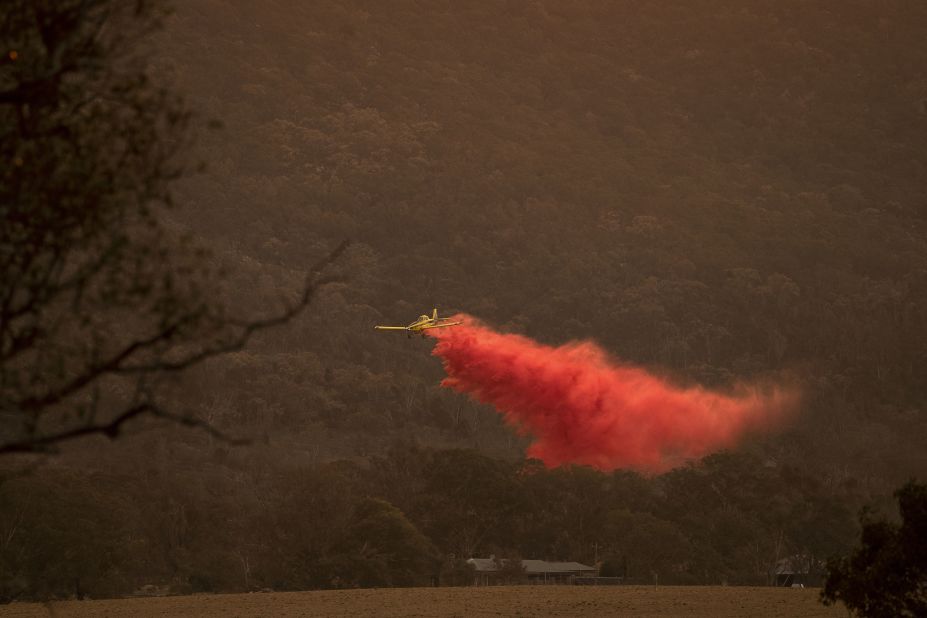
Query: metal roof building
point(535, 571)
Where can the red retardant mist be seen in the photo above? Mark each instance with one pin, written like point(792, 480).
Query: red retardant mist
point(582, 406)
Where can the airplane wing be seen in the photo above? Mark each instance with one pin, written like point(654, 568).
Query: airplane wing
point(391, 327)
point(442, 325)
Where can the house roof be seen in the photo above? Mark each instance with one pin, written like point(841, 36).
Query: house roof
point(488, 565)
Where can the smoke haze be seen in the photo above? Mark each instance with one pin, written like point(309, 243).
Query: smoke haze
point(582, 406)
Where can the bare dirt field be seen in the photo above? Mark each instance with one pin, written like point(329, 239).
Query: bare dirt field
point(631, 601)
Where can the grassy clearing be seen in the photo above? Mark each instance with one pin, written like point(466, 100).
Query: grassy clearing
point(636, 601)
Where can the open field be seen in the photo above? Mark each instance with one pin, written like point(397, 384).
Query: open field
point(634, 601)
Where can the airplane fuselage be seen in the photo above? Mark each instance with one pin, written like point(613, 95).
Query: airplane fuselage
point(423, 323)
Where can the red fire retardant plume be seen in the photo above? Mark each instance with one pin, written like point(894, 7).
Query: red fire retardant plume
point(581, 406)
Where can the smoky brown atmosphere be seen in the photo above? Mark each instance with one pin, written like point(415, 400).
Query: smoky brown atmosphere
point(670, 257)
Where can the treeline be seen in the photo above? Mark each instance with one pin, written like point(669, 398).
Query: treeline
point(408, 518)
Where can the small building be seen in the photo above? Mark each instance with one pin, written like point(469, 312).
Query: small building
point(490, 571)
point(797, 571)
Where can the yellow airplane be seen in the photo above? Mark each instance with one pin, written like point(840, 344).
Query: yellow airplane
point(422, 324)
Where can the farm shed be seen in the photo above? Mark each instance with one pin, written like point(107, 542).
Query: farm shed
point(536, 571)
point(797, 570)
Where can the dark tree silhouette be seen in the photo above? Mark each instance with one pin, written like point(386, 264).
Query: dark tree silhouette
point(887, 574)
point(100, 299)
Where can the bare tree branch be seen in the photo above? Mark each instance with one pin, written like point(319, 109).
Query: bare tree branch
point(313, 283)
point(42, 444)
point(113, 365)
point(112, 428)
point(95, 293)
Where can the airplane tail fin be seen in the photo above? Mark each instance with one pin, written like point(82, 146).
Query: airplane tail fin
point(434, 314)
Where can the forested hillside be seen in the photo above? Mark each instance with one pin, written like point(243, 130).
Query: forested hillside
point(708, 189)
point(714, 190)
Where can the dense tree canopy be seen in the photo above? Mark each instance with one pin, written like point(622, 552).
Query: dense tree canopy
point(729, 519)
point(886, 575)
point(715, 191)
